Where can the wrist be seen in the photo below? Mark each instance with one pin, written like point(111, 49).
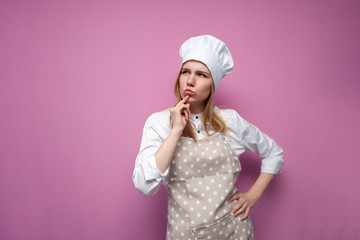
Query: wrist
point(176, 132)
point(260, 185)
point(255, 194)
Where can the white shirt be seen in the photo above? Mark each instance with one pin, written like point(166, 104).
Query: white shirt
point(241, 135)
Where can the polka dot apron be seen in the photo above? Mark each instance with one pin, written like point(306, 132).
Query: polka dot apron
point(202, 177)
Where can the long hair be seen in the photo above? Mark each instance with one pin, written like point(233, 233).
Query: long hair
point(211, 120)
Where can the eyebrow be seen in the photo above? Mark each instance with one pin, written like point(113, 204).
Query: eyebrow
point(198, 71)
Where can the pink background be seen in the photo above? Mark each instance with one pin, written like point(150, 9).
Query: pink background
point(79, 78)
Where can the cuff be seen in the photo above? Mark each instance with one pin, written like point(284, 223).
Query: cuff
point(151, 171)
point(272, 165)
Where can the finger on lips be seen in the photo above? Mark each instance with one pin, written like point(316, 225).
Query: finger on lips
point(185, 98)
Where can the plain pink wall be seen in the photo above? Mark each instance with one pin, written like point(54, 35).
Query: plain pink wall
point(79, 78)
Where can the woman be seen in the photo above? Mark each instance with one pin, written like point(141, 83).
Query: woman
point(194, 148)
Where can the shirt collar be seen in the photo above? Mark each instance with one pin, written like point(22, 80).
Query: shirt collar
point(196, 117)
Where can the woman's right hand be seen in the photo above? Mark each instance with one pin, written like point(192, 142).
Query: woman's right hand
point(180, 114)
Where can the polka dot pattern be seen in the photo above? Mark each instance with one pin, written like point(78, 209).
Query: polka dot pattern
point(228, 227)
point(212, 159)
point(202, 177)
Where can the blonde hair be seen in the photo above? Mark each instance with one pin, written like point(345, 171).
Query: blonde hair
point(210, 120)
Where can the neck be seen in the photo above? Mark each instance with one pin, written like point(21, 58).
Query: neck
point(197, 108)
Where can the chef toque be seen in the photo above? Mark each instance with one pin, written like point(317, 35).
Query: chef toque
point(210, 51)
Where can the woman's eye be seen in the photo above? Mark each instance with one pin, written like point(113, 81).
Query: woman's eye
point(202, 75)
point(184, 72)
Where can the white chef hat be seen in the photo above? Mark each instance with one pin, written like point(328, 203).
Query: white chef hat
point(210, 51)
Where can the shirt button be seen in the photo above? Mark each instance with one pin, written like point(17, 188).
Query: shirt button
point(198, 131)
point(197, 117)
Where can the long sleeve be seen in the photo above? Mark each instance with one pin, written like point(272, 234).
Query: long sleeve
point(243, 136)
point(147, 177)
point(246, 136)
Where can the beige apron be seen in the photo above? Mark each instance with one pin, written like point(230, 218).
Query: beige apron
point(202, 177)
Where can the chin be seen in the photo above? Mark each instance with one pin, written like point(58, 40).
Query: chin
point(182, 97)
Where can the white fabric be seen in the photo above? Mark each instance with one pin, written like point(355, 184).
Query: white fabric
point(210, 51)
point(241, 135)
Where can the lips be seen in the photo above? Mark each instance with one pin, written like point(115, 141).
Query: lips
point(188, 92)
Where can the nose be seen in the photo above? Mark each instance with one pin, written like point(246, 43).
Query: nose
point(191, 80)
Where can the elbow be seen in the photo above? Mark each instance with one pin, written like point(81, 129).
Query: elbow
point(279, 161)
point(281, 156)
point(146, 188)
point(273, 164)
point(278, 156)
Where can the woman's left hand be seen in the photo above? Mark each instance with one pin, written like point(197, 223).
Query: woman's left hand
point(245, 202)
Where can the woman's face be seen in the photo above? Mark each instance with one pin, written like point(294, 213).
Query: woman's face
point(196, 81)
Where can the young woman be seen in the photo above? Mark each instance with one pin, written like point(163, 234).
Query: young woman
point(193, 148)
